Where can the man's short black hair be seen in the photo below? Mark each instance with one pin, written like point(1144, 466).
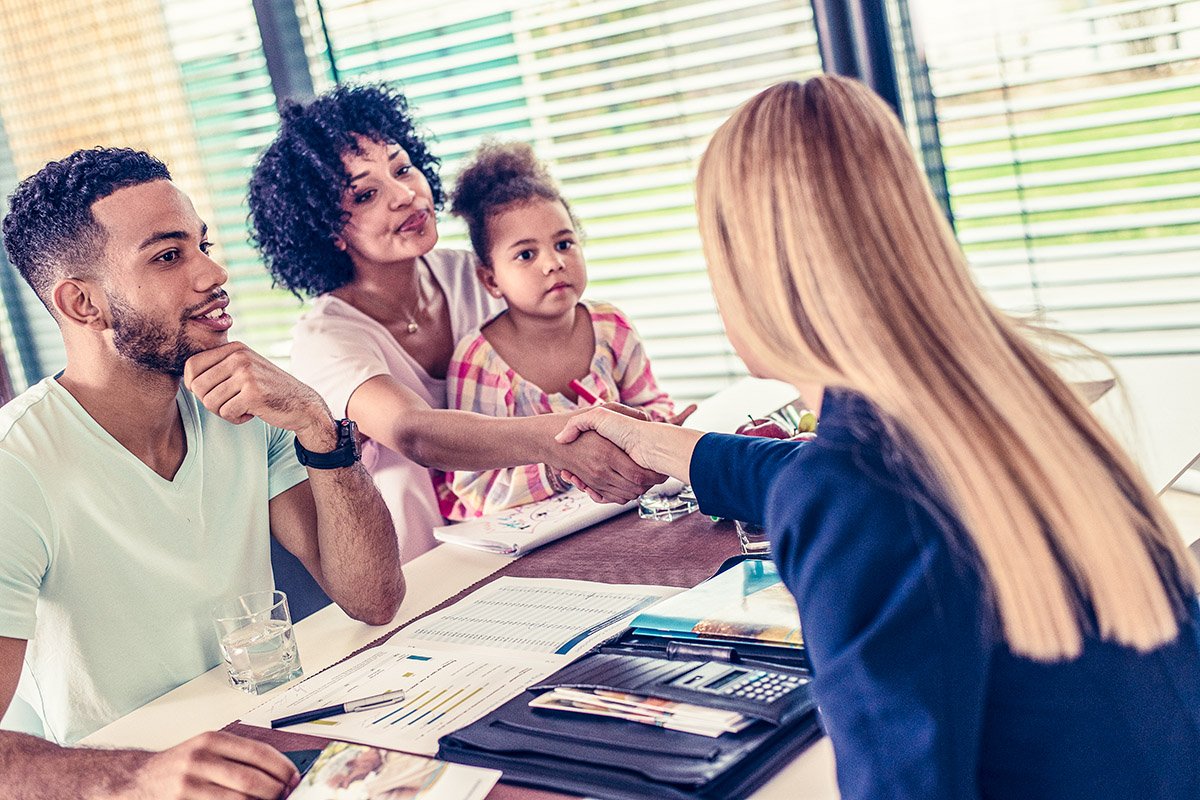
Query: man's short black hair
point(297, 185)
point(50, 231)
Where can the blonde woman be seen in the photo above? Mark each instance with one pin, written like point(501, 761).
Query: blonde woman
point(995, 604)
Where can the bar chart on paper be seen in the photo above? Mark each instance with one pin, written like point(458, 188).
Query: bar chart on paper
point(443, 691)
point(448, 690)
point(457, 664)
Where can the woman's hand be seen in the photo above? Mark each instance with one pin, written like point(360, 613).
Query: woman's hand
point(618, 427)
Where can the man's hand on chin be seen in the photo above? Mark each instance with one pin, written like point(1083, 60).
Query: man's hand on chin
point(238, 384)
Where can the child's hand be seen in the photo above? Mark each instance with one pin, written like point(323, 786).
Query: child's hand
point(681, 417)
point(628, 411)
point(640, 414)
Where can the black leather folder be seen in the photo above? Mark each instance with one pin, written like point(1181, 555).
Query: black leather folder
point(617, 759)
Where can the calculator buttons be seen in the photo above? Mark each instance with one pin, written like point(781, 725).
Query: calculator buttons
point(766, 687)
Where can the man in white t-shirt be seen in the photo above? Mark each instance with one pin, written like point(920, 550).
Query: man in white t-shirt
point(140, 486)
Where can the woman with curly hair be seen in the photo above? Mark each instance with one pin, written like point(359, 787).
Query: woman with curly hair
point(343, 208)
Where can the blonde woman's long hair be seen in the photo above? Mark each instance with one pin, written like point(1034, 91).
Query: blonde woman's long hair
point(832, 263)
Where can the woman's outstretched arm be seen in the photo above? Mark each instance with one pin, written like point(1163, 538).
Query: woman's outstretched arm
point(393, 415)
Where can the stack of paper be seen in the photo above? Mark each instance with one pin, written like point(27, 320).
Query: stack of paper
point(646, 710)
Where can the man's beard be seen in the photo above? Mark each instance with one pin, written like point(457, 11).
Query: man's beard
point(149, 344)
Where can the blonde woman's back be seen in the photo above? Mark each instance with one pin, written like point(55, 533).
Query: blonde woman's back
point(919, 690)
point(995, 603)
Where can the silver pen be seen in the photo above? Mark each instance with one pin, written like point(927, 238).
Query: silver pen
point(365, 704)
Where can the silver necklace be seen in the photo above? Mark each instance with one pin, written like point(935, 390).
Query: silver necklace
point(413, 327)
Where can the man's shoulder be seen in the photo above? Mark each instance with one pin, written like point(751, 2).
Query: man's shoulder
point(26, 411)
point(27, 422)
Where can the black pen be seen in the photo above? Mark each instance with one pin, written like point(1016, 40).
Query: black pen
point(365, 704)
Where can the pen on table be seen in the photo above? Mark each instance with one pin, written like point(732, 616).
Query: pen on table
point(365, 704)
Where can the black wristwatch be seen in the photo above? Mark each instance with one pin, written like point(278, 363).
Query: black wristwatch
point(345, 454)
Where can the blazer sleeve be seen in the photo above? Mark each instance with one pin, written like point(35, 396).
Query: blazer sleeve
point(891, 617)
point(731, 474)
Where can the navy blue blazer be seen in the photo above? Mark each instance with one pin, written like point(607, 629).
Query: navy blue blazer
point(919, 693)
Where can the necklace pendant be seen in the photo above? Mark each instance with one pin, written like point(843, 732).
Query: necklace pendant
point(412, 327)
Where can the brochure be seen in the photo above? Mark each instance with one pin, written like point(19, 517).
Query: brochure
point(670, 714)
point(747, 602)
point(346, 771)
point(516, 531)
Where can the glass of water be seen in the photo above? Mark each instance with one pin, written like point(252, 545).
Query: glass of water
point(753, 538)
point(257, 642)
point(667, 502)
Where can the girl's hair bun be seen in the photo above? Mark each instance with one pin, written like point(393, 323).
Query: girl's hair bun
point(500, 174)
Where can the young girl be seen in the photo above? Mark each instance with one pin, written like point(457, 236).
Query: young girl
point(549, 351)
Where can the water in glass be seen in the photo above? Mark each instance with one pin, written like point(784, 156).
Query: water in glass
point(261, 655)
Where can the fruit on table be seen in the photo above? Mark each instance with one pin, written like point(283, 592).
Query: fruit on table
point(765, 428)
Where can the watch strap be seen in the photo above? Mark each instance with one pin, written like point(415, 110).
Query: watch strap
point(343, 455)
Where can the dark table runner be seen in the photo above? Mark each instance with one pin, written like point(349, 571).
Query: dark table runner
point(624, 549)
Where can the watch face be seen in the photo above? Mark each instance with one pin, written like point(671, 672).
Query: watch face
point(350, 430)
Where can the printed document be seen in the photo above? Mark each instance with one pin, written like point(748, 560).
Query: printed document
point(516, 531)
point(346, 771)
point(458, 664)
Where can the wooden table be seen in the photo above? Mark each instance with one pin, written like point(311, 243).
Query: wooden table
point(624, 549)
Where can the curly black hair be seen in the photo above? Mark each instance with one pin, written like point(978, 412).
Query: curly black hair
point(297, 185)
point(500, 174)
point(50, 229)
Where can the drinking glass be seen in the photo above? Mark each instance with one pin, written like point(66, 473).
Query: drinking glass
point(257, 642)
point(753, 538)
point(667, 503)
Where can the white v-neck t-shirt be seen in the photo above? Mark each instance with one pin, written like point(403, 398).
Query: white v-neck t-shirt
point(110, 571)
point(337, 348)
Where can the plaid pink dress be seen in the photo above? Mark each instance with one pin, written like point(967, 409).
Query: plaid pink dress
point(479, 380)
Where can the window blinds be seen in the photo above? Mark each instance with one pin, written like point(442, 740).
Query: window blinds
point(1071, 136)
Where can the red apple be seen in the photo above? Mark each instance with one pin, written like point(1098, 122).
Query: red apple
point(765, 428)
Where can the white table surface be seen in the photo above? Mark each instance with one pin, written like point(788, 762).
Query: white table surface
point(208, 703)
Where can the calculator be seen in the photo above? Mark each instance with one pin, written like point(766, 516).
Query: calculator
point(719, 678)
